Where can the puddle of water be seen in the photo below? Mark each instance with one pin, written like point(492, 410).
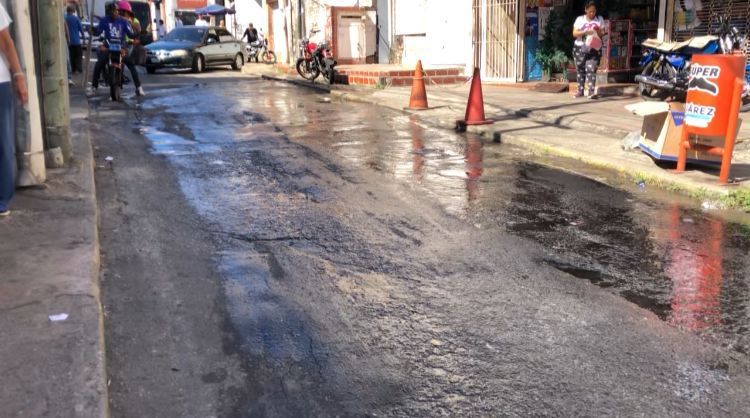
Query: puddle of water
point(653, 248)
point(268, 328)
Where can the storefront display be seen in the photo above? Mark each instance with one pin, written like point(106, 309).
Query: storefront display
point(645, 18)
point(618, 46)
point(531, 39)
point(630, 22)
point(679, 21)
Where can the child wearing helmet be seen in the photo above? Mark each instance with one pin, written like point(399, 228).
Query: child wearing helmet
point(126, 12)
point(138, 53)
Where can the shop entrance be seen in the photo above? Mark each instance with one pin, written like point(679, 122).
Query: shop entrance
point(497, 39)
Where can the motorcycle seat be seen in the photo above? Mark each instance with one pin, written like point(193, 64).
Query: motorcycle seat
point(698, 42)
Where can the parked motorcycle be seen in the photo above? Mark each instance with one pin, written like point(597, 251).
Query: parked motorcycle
point(731, 42)
point(316, 59)
point(666, 66)
point(259, 50)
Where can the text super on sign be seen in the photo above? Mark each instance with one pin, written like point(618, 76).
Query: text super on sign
point(710, 92)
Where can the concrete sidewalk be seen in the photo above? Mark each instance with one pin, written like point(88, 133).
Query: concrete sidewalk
point(590, 131)
point(49, 255)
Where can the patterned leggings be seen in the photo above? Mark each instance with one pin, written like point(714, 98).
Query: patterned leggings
point(586, 65)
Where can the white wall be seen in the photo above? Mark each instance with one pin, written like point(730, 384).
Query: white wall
point(316, 18)
point(449, 33)
point(169, 9)
point(385, 29)
point(316, 14)
point(438, 32)
point(250, 11)
point(280, 37)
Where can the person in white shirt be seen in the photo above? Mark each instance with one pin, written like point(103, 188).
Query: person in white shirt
point(587, 57)
point(161, 29)
point(200, 22)
point(11, 78)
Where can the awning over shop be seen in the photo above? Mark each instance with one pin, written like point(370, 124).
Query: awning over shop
point(215, 9)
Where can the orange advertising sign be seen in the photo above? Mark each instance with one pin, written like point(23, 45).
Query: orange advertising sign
point(710, 91)
point(191, 4)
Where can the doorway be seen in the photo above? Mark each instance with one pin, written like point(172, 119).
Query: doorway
point(497, 41)
point(354, 35)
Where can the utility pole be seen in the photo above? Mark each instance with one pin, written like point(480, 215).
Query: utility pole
point(54, 75)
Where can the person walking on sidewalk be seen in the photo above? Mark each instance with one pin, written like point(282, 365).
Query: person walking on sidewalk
point(11, 78)
point(587, 31)
point(75, 30)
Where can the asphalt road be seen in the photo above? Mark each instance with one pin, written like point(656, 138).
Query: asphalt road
point(269, 253)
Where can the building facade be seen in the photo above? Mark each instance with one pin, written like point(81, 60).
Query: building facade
point(501, 37)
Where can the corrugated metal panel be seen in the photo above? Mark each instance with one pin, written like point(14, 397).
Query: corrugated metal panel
point(697, 18)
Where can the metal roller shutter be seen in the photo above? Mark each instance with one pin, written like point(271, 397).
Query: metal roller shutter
point(700, 17)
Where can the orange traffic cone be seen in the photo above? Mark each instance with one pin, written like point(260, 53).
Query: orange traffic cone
point(418, 98)
point(475, 107)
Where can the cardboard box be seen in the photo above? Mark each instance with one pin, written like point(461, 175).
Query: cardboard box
point(662, 129)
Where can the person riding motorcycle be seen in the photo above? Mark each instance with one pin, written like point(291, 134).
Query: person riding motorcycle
point(115, 29)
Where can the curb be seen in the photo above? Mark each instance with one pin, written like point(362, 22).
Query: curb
point(302, 83)
point(88, 158)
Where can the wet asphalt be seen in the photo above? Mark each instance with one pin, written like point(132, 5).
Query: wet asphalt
point(360, 263)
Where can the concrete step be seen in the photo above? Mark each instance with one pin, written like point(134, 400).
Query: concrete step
point(611, 89)
point(396, 77)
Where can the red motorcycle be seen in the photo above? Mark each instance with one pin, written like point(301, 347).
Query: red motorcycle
point(316, 59)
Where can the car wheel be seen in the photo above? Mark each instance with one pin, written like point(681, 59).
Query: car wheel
point(151, 69)
point(238, 62)
point(198, 63)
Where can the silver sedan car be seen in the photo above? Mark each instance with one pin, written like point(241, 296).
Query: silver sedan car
point(195, 47)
